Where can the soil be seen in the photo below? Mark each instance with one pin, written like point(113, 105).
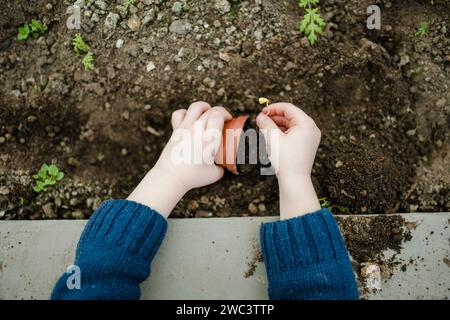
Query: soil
point(380, 97)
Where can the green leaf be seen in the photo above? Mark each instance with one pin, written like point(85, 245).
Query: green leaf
point(24, 32)
point(53, 170)
point(88, 61)
point(50, 182)
point(60, 176)
point(37, 189)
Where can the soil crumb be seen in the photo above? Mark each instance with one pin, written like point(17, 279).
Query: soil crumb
point(252, 264)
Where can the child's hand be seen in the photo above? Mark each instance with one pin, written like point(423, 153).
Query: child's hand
point(291, 151)
point(199, 170)
point(171, 177)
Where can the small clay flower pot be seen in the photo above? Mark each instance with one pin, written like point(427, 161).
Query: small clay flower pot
point(231, 135)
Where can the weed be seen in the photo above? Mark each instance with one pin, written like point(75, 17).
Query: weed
point(80, 47)
point(423, 29)
point(312, 23)
point(35, 29)
point(48, 175)
point(126, 6)
point(325, 203)
point(88, 61)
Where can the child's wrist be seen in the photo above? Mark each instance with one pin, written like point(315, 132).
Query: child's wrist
point(297, 196)
point(159, 190)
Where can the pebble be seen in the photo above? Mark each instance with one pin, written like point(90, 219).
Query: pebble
point(101, 4)
point(177, 7)
point(2, 140)
point(441, 102)
point(134, 23)
point(338, 164)
point(77, 214)
point(111, 20)
point(150, 66)
point(16, 93)
point(192, 205)
point(124, 152)
point(210, 83)
point(223, 6)
point(252, 208)
point(180, 27)
point(119, 43)
point(262, 207)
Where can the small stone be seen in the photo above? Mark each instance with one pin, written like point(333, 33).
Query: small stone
point(338, 164)
point(192, 205)
point(262, 207)
point(441, 102)
point(101, 4)
point(180, 27)
point(223, 6)
point(49, 6)
point(177, 7)
point(4, 191)
point(77, 214)
point(49, 213)
point(134, 23)
point(203, 214)
point(119, 43)
point(221, 92)
point(210, 83)
point(252, 208)
point(363, 193)
point(16, 93)
point(111, 20)
point(2, 140)
point(150, 66)
point(124, 152)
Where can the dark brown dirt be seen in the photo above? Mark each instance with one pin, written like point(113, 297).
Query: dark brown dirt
point(381, 99)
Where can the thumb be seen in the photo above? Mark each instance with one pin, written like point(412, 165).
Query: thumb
point(265, 122)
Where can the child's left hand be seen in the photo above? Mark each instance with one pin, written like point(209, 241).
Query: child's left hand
point(167, 182)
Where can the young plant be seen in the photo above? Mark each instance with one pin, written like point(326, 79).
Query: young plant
point(423, 29)
point(126, 6)
point(325, 203)
point(34, 29)
point(48, 175)
point(80, 47)
point(312, 23)
point(263, 100)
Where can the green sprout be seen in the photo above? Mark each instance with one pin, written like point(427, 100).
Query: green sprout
point(80, 47)
point(35, 28)
point(263, 100)
point(312, 23)
point(126, 6)
point(48, 175)
point(88, 61)
point(423, 29)
point(325, 203)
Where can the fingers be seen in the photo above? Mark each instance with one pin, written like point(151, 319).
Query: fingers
point(265, 122)
point(195, 111)
point(267, 127)
point(178, 117)
point(293, 114)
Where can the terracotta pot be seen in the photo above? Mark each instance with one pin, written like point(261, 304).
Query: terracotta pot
point(231, 135)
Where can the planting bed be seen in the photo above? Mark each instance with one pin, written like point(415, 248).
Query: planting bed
point(380, 97)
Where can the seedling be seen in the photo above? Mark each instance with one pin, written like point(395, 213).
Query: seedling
point(34, 29)
point(423, 29)
point(312, 23)
point(126, 6)
point(48, 175)
point(80, 47)
point(88, 61)
point(325, 203)
point(263, 100)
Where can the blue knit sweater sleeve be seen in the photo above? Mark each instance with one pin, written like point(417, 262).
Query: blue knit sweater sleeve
point(306, 258)
point(115, 251)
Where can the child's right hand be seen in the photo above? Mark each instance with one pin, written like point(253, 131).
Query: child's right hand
point(291, 152)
